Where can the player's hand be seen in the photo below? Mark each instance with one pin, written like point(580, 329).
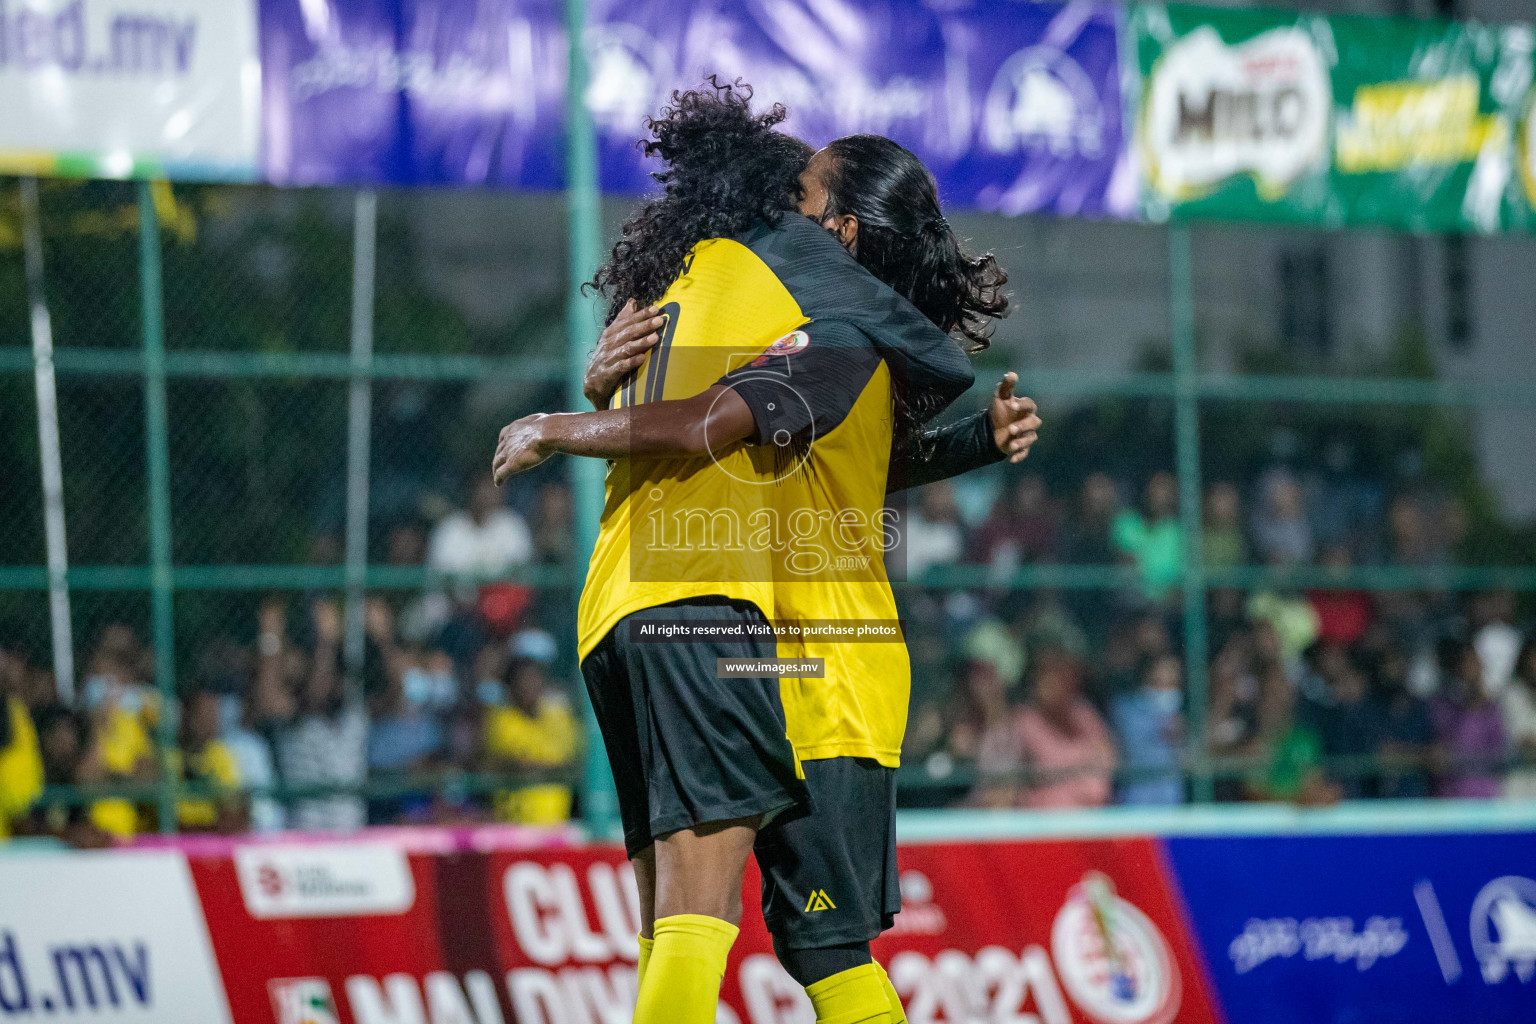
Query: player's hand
point(1015, 426)
point(520, 447)
point(620, 350)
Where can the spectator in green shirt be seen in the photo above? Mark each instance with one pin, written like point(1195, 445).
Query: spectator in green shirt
point(1154, 539)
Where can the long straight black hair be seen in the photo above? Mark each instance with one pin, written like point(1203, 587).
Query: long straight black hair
point(905, 241)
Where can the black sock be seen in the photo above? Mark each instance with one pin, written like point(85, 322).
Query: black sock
point(808, 966)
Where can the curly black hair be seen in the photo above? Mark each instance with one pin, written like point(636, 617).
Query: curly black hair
point(727, 169)
point(905, 241)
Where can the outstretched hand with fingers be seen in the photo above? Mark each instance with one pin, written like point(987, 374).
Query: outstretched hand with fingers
point(1015, 424)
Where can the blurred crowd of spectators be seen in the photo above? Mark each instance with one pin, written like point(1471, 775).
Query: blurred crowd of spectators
point(1077, 698)
point(460, 707)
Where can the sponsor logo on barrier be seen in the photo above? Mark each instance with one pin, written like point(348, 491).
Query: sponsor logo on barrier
point(118, 81)
point(1041, 97)
point(1526, 152)
point(993, 984)
point(86, 976)
point(324, 880)
point(1393, 125)
point(1213, 111)
point(1504, 929)
point(1115, 964)
point(303, 1001)
point(919, 914)
point(1317, 938)
point(550, 920)
point(105, 936)
point(439, 998)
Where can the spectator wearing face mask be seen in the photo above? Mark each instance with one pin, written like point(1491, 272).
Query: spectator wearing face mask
point(123, 712)
point(321, 730)
point(413, 695)
point(1150, 724)
point(533, 731)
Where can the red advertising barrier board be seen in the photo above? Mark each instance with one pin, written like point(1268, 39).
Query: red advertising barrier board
point(365, 932)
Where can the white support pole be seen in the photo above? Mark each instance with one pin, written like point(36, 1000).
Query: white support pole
point(359, 424)
point(48, 445)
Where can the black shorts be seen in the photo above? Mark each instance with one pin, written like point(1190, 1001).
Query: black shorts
point(685, 746)
point(830, 877)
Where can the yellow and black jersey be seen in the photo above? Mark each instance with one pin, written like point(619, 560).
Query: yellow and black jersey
point(792, 521)
point(661, 540)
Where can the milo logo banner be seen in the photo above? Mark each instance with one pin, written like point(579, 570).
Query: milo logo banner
point(1275, 115)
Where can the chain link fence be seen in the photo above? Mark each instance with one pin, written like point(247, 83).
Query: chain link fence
point(467, 332)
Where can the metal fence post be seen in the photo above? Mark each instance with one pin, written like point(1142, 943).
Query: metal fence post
point(599, 803)
point(1181, 305)
point(48, 445)
point(359, 423)
point(158, 443)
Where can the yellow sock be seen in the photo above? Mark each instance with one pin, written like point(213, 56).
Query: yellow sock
point(898, 1012)
point(854, 996)
point(646, 945)
point(683, 972)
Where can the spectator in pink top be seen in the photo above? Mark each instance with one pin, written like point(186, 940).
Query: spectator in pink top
point(1067, 749)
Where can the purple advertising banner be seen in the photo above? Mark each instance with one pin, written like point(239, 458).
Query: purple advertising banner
point(1015, 107)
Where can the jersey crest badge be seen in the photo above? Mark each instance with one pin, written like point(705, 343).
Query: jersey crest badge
point(794, 341)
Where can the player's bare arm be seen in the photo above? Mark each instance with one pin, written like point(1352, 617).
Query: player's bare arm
point(1014, 418)
point(680, 428)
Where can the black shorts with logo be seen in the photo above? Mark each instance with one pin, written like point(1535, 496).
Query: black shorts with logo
point(830, 877)
point(685, 746)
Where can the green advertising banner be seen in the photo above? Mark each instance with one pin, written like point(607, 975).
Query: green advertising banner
point(1427, 126)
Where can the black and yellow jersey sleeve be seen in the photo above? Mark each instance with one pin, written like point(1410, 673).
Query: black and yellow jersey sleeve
point(928, 368)
point(943, 452)
point(805, 387)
